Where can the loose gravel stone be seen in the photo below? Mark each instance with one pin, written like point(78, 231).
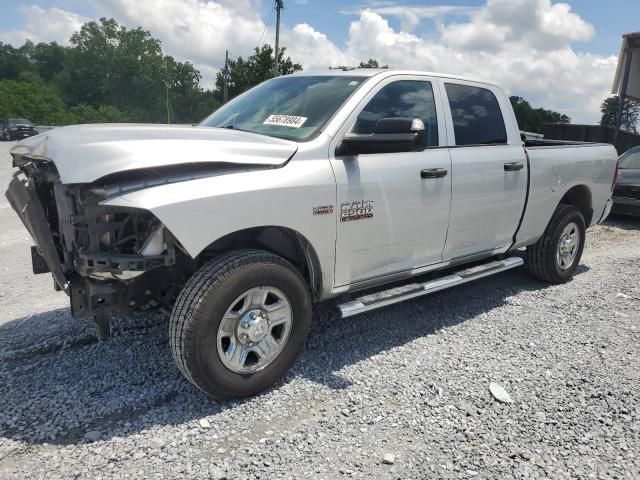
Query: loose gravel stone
point(411, 378)
point(499, 393)
point(388, 459)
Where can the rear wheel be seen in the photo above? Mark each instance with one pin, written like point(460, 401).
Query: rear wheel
point(239, 323)
point(556, 255)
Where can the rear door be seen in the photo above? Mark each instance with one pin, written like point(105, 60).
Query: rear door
point(390, 219)
point(489, 169)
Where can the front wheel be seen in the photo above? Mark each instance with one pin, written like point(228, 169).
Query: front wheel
point(239, 323)
point(556, 255)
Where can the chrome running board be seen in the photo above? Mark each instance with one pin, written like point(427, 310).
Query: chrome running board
point(413, 290)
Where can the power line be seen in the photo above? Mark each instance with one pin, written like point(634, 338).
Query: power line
point(266, 28)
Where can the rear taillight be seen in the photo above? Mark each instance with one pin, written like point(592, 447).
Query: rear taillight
point(615, 176)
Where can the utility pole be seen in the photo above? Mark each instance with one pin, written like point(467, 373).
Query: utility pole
point(225, 78)
point(279, 7)
point(166, 71)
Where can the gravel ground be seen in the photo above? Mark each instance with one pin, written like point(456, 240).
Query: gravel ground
point(399, 393)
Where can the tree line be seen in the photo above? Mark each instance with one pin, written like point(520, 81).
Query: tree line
point(110, 73)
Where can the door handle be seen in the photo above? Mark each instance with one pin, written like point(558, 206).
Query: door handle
point(433, 173)
point(513, 166)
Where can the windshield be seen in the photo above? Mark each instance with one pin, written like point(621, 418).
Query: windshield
point(630, 160)
point(294, 108)
point(18, 121)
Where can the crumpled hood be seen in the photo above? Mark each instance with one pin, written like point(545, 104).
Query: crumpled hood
point(85, 153)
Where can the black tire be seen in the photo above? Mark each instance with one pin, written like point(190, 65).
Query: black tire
point(203, 302)
point(542, 256)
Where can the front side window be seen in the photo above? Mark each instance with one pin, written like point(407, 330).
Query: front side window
point(476, 114)
point(404, 98)
point(290, 107)
point(630, 160)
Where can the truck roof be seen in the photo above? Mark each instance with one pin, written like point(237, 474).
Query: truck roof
point(385, 72)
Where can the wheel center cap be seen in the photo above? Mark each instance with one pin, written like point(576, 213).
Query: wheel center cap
point(253, 327)
point(565, 245)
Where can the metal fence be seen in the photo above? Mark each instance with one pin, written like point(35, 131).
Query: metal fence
point(590, 133)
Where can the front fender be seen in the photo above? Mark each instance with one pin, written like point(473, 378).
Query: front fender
point(199, 212)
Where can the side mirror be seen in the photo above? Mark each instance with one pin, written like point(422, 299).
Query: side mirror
point(390, 135)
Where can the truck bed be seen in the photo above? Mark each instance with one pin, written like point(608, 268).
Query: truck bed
point(556, 167)
point(532, 143)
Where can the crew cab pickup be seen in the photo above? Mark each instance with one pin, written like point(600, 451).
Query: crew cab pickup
point(308, 187)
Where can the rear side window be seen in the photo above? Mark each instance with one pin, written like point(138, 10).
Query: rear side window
point(404, 98)
point(477, 119)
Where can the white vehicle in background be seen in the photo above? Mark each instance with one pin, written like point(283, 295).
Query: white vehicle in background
point(305, 188)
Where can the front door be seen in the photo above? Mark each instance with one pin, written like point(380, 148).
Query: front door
point(390, 219)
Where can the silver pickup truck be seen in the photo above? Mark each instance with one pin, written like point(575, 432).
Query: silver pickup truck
point(307, 187)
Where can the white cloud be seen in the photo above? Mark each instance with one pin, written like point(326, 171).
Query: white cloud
point(410, 15)
point(536, 23)
point(51, 25)
point(313, 49)
point(525, 45)
point(193, 29)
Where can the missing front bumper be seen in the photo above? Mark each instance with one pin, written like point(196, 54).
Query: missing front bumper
point(25, 201)
point(69, 242)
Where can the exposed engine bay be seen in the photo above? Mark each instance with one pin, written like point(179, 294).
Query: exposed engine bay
point(100, 256)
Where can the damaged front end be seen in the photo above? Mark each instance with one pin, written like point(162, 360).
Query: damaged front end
point(105, 258)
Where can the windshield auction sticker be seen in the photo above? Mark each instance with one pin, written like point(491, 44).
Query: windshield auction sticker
point(285, 121)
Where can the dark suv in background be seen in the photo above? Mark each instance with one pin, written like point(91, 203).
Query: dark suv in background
point(626, 194)
point(16, 129)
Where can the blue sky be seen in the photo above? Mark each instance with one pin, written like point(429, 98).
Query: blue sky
point(611, 18)
point(559, 55)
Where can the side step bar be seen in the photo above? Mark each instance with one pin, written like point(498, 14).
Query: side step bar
point(405, 292)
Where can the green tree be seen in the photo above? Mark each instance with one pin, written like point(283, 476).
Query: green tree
point(112, 65)
point(244, 74)
point(42, 103)
point(630, 113)
point(531, 119)
point(49, 60)
point(109, 73)
point(34, 100)
point(13, 62)
point(187, 101)
point(371, 63)
point(84, 113)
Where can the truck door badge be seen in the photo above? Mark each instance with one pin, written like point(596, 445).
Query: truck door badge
point(323, 210)
point(356, 210)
